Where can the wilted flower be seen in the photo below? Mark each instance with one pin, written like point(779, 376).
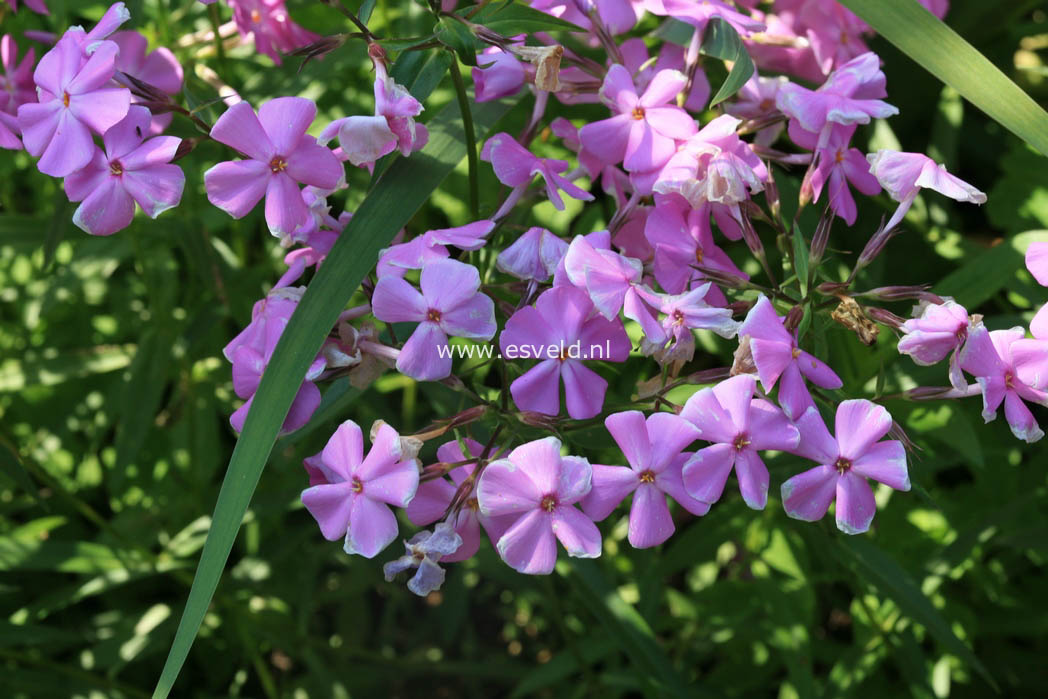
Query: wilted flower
point(424, 551)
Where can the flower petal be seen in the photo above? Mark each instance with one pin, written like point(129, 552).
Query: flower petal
point(706, 472)
point(808, 495)
point(529, 545)
point(576, 532)
point(372, 527)
point(858, 425)
point(236, 186)
point(239, 128)
point(650, 520)
point(505, 489)
point(855, 504)
point(610, 486)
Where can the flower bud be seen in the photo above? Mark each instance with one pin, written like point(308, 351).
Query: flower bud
point(540, 420)
point(901, 293)
point(884, 317)
point(793, 318)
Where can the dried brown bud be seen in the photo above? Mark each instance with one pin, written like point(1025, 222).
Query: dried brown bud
point(850, 315)
point(743, 362)
point(884, 317)
point(546, 60)
point(532, 419)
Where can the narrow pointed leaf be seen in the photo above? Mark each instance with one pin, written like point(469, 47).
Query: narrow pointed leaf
point(946, 55)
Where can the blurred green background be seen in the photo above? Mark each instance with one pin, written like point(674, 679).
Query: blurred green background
point(114, 405)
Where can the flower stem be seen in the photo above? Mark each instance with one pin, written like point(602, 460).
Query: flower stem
point(471, 139)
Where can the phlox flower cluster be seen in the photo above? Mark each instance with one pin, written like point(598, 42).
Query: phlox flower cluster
point(690, 193)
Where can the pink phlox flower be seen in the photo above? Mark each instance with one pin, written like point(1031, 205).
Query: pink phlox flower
point(618, 16)
point(562, 330)
point(834, 33)
point(699, 14)
point(652, 448)
point(601, 240)
point(355, 500)
point(903, 175)
point(671, 57)
point(424, 552)
point(851, 95)
point(644, 132)
point(1010, 369)
point(74, 101)
point(790, 53)
point(534, 256)
point(435, 496)
point(837, 165)
point(515, 166)
point(717, 167)
point(393, 101)
point(498, 74)
point(738, 426)
point(538, 488)
point(756, 100)
point(37, 6)
point(612, 179)
point(250, 352)
point(845, 463)
point(130, 169)
point(432, 245)
point(1037, 263)
point(158, 68)
point(683, 313)
point(614, 283)
point(271, 27)
point(321, 229)
point(280, 156)
point(16, 83)
point(630, 239)
point(939, 330)
point(450, 303)
point(682, 238)
point(776, 354)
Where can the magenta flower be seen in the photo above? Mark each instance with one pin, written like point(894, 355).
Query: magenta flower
point(16, 83)
point(683, 314)
point(354, 501)
point(34, 5)
point(683, 239)
point(74, 101)
point(516, 167)
point(423, 552)
point(432, 246)
point(837, 165)
point(280, 156)
point(450, 304)
point(158, 68)
point(940, 330)
point(250, 351)
point(434, 497)
point(652, 449)
point(849, 96)
point(129, 170)
point(1037, 262)
point(775, 353)
point(613, 283)
point(644, 132)
point(562, 330)
point(537, 487)
point(903, 175)
point(845, 464)
point(1010, 369)
point(269, 23)
point(498, 74)
point(739, 426)
point(535, 255)
point(399, 107)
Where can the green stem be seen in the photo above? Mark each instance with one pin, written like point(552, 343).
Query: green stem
point(471, 139)
point(212, 15)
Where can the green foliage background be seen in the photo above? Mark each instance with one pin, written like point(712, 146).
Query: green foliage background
point(114, 402)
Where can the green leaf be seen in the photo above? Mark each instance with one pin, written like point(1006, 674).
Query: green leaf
point(989, 271)
point(388, 208)
point(11, 467)
point(894, 581)
point(800, 259)
point(723, 42)
point(458, 37)
point(511, 18)
point(366, 8)
point(946, 55)
point(625, 624)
